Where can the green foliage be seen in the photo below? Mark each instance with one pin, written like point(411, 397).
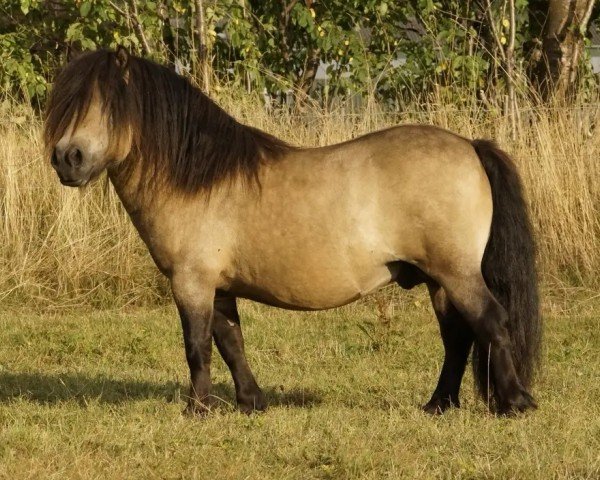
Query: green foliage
point(273, 45)
point(446, 44)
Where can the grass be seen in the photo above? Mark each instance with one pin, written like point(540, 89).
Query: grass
point(100, 394)
point(92, 370)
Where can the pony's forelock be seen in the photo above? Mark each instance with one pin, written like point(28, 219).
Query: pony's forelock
point(74, 89)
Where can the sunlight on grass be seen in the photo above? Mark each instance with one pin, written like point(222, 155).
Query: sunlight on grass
point(100, 395)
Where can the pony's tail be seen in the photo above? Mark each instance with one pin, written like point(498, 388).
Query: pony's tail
point(509, 266)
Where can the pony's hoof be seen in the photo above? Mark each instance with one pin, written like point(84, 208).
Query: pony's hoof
point(252, 403)
point(196, 409)
point(519, 403)
point(437, 406)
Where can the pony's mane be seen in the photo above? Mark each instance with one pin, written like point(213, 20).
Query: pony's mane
point(183, 138)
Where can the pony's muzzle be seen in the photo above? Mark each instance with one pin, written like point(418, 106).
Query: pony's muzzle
point(69, 166)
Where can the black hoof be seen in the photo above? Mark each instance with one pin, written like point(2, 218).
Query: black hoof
point(437, 406)
point(520, 402)
point(252, 403)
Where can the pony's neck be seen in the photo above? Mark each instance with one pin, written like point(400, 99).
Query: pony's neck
point(126, 177)
point(187, 140)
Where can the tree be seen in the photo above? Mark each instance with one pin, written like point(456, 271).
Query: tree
point(462, 52)
point(279, 45)
point(558, 62)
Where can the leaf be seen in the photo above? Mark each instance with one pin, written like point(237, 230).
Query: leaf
point(88, 43)
point(74, 32)
point(85, 8)
point(25, 4)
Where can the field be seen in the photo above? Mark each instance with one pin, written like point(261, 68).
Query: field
point(100, 394)
point(92, 369)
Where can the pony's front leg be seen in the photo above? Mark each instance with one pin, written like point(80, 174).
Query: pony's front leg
point(230, 342)
point(195, 304)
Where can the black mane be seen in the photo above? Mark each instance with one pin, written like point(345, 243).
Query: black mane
point(184, 139)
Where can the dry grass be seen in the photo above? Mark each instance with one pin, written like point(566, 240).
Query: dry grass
point(65, 248)
point(99, 396)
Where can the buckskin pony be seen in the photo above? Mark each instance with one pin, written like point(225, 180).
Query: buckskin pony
point(228, 211)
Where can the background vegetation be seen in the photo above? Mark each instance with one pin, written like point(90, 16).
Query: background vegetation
point(481, 68)
point(98, 394)
point(64, 248)
point(474, 50)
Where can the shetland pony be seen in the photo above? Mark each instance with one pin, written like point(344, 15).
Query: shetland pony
point(229, 211)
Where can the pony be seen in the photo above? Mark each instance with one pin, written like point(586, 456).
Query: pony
point(228, 211)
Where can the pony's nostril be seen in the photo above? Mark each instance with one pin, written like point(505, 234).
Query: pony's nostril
point(54, 159)
point(74, 157)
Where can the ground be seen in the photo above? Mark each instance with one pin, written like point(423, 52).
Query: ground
point(100, 394)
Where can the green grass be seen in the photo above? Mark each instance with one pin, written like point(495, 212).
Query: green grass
point(99, 395)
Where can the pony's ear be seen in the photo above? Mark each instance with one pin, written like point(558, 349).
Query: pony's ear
point(122, 57)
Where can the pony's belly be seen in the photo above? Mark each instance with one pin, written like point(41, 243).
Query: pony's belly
point(317, 293)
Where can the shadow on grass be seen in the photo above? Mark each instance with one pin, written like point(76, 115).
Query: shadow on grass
point(56, 388)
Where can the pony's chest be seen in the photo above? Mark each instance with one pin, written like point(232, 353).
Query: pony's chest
point(178, 240)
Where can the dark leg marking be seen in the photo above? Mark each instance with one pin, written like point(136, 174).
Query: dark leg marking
point(197, 327)
point(457, 337)
point(228, 338)
point(488, 320)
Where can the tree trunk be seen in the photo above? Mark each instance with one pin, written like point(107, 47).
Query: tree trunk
point(563, 38)
point(202, 47)
point(306, 80)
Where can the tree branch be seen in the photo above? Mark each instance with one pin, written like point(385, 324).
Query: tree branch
point(490, 15)
point(138, 26)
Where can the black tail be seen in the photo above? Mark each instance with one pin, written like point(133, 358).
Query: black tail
point(509, 266)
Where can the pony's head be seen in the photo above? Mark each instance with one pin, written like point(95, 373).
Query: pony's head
point(107, 107)
point(88, 123)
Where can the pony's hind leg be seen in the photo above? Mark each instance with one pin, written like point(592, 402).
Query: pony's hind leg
point(457, 337)
point(227, 334)
point(488, 320)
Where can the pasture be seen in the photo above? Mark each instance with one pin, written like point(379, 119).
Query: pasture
point(99, 395)
point(93, 376)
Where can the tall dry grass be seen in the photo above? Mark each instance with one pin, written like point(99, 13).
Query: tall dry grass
point(62, 247)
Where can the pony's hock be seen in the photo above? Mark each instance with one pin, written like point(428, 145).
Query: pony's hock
point(229, 211)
